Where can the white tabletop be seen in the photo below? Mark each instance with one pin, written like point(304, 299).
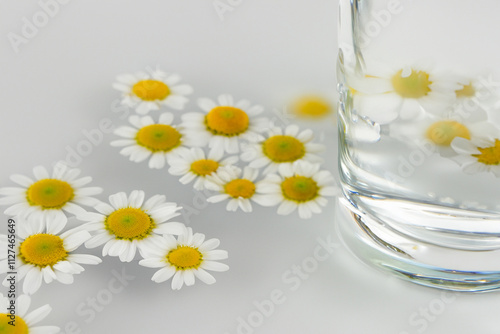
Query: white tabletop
point(58, 85)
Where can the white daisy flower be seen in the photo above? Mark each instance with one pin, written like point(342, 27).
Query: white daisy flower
point(312, 107)
point(24, 321)
point(479, 154)
point(301, 185)
point(194, 164)
point(438, 132)
point(478, 97)
point(146, 92)
point(236, 185)
point(187, 257)
point(388, 92)
point(225, 122)
point(130, 223)
point(147, 139)
point(48, 200)
point(282, 147)
point(44, 255)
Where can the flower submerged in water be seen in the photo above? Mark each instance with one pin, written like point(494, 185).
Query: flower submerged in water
point(385, 94)
point(301, 186)
point(185, 258)
point(146, 92)
point(47, 256)
point(282, 147)
point(478, 154)
point(149, 139)
point(24, 321)
point(130, 223)
point(224, 122)
point(439, 131)
point(236, 185)
point(194, 165)
point(48, 199)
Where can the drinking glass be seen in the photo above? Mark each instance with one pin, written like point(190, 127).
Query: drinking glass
point(419, 124)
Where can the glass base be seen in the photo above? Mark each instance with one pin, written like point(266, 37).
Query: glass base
point(375, 243)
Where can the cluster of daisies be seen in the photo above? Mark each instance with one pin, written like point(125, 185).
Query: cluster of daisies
point(227, 148)
point(457, 115)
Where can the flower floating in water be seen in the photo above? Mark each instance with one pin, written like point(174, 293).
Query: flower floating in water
point(478, 154)
point(385, 94)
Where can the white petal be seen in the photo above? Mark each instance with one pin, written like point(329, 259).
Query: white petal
point(177, 281)
point(37, 315)
point(32, 281)
point(22, 180)
point(40, 173)
point(286, 208)
point(203, 276)
point(214, 266)
point(118, 200)
point(163, 274)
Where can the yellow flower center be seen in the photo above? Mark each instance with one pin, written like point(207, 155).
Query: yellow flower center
point(50, 193)
point(129, 223)
point(466, 91)
point(299, 188)
point(313, 106)
point(283, 148)
point(414, 86)
point(42, 250)
point(204, 167)
point(151, 90)
point(443, 132)
point(19, 328)
point(489, 155)
point(240, 188)
point(185, 257)
point(227, 121)
point(158, 137)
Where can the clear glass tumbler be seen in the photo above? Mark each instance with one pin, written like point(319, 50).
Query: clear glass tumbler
point(419, 138)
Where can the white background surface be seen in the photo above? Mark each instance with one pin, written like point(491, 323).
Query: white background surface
point(59, 84)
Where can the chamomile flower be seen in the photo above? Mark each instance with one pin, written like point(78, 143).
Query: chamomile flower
point(439, 131)
point(185, 258)
point(312, 107)
point(150, 91)
point(301, 186)
point(236, 185)
point(282, 147)
point(49, 199)
point(386, 93)
point(130, 223)
point(478, 154)
point(478, 96)
point(24, 321)
point(195, 165)
point(44, 255)
point(149, 139)
point(224, 122)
